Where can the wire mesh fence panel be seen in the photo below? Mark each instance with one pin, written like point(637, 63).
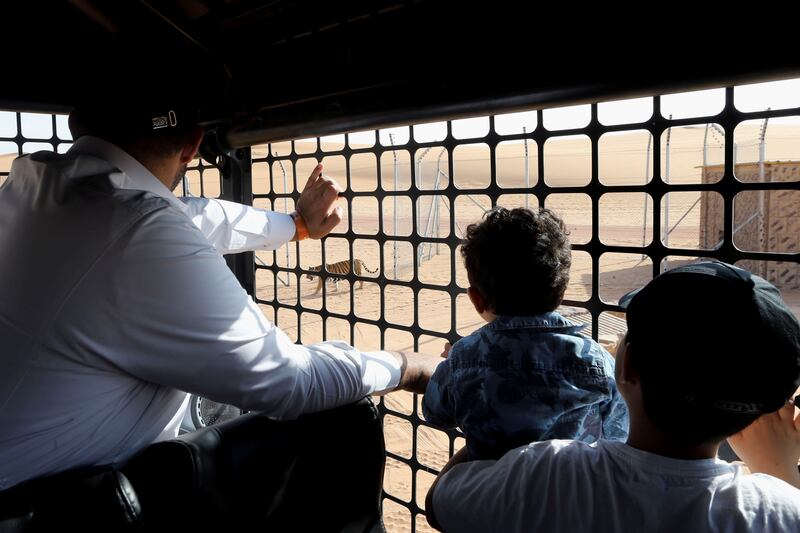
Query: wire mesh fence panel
point(643, 185)
point(639, 191)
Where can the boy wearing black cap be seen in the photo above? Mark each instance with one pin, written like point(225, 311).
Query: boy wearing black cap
point(710, 348)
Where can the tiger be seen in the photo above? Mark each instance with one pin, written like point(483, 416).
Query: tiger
point(342, 267)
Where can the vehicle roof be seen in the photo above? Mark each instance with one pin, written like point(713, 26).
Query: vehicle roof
point(277, 69)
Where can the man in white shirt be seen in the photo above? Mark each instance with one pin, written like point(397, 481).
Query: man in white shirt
point(115, 301)
point(709, 349)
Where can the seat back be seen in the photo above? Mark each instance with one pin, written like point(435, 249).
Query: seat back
point(87, 499)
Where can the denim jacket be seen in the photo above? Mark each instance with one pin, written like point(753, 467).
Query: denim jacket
point(523, 379)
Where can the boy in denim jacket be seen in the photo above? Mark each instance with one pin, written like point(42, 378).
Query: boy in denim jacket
point(529, 374)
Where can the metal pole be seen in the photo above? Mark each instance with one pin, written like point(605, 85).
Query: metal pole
point(433, 214)
point(437, 197)
point(419, 182)
point(429, 222)
point(436, 225)
point(646, 179)
point(527, 173)
point(762, 226)
point(683, 216)
point(665, 240)
point(285, 210)
point(394, 201)
point(705, 148)
point(737, 228)
point(716, 129)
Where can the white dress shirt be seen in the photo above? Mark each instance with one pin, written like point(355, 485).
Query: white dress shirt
point(115, 302)
point(607, 486)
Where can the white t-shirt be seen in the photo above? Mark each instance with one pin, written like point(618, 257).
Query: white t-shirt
point(115, 301)
point(571, 486)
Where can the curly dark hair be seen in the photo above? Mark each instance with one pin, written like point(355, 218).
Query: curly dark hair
point(518, 260)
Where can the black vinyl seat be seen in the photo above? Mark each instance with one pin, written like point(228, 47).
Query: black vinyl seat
point(321, 472)
point(90, 499)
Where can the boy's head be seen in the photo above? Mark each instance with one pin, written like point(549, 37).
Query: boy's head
point(712, 347)
point(517, 261)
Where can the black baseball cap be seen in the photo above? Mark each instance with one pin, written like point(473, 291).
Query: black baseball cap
point(148, 101)
point(137, 117)
point(716, 336)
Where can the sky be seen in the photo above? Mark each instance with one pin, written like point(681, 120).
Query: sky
point(747, 98)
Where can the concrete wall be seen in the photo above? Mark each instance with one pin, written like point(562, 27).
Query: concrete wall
point(781, 222)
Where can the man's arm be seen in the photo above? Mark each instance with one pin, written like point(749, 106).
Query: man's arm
point(189, 325)
point(232, 228)
point(771, 444)
point(416, 370)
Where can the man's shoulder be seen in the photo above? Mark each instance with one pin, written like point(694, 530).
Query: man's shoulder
point(529, 468)
point(564, 449)
point(72, 197)
point(68, 166)
point(76, 180)
point(748, 501)
point(548, 452)
point(567, 456)
point(770, 488)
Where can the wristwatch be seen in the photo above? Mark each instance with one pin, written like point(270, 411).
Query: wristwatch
point(301, 230)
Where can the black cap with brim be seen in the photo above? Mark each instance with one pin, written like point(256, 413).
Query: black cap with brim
point(150, 105)
point(726, 333)
point(138, 118)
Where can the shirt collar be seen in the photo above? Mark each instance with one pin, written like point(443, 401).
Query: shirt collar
point(133, 175)
point(551, 321)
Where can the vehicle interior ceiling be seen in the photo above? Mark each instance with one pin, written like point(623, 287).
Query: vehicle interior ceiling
point(275, 70)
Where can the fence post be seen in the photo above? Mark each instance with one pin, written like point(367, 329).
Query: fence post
point(394, 205)
point(665, 203)
point(285, 210)
point(527, 170)
point(762, 215)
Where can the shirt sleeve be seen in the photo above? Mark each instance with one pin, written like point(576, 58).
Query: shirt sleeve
point(185, 322)
point(233, 228)
point(437, 405)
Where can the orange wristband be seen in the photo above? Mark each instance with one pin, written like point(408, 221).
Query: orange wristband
point(301, 230)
